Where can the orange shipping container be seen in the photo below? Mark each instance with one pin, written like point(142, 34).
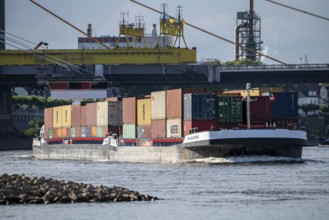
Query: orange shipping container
point(94, 131)
point(58, 132)
point(144, 112)
point(129, 110)
point(48, 118)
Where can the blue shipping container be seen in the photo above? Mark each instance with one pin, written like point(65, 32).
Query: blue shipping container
point(199, 106)
point(285, 105)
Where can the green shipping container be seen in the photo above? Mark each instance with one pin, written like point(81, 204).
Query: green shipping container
point(230, 109)
point(129, 130)
point(73, 132)
point(50, 133)
point(99, 131)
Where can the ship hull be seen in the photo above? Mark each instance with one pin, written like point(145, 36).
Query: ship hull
point(276, 142)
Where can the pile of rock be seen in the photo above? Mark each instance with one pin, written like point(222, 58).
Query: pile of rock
point(15, 189)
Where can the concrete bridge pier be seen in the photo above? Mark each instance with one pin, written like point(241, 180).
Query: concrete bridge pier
point(6, 122)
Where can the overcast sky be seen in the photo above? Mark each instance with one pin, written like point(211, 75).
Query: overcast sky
point(287, 35)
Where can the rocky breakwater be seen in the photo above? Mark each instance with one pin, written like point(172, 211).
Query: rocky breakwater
point(21, 189)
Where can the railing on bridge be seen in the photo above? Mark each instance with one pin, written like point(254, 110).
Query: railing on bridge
point(275, 67)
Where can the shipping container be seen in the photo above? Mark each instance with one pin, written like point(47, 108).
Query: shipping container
point(57, 117)
point(48, 118)
point(200, 106)
point(230, 109)
point(158, 127)
point(114, 113)
point(83, 116)
point(260, 110)
point(66, 115)
point(174, 99)
point(58, 132)
point(94, 131)
point(144, 112)
point(102, 113)
point(144, 131)
point(66, 132)
point(112, 129)
point(199, 125)
point(50, 133)
point(158, 105)
point(129, 130)
point(174, 127)
point(73, 132)
point(84, 132)
point(91, 114)
point(129, 110)
point(76, 115)
point(285, 105)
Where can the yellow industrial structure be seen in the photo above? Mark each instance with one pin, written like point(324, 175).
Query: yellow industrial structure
point(100, 56)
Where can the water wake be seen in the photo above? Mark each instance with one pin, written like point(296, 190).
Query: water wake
point(246, 159)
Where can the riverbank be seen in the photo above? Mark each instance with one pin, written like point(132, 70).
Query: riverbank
point(21, 189)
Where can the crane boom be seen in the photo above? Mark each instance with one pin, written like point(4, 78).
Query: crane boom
point(296, 9)
point(212, 34)
point(66, 22)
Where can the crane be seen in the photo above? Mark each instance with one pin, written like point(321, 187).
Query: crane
point(212, 34)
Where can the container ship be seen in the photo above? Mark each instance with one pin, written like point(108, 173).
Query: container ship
point(174, 125)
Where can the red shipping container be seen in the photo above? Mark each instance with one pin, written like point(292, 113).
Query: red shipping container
point(144, 132)
point(91, 114)
point(158, 128)
point(129, 106)
point(76, 115)
point(83, 115)
point(260, 110)
point(48, 118)
point(202, 125)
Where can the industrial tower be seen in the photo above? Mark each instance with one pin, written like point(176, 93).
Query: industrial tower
point(248, 35)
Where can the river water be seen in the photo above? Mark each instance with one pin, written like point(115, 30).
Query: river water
point(212, 189)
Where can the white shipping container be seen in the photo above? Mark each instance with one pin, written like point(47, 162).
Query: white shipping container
point(158, 105)
point(129, 130)
point(174, 127)
point(102, 113)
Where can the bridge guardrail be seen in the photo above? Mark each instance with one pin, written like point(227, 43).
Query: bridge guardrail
point(277, 67)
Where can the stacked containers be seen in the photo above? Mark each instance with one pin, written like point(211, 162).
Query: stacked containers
point(66, 120)
point(57, 121)
point(158, 114)
point(48, 122)
point(199, 112)
point(109, 118)
point(230, 111)
point(285, 109)
point(144, 118)
point(91, 120)
point(175, 110)
point(129, 117)
point(76, 121)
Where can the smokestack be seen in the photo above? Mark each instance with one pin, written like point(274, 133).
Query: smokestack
point(251, 8)
point(89, 30)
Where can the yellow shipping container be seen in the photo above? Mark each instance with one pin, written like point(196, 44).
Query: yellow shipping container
point(260, 91)
point(57, 117)
point(144, 111)
point(66, 115)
